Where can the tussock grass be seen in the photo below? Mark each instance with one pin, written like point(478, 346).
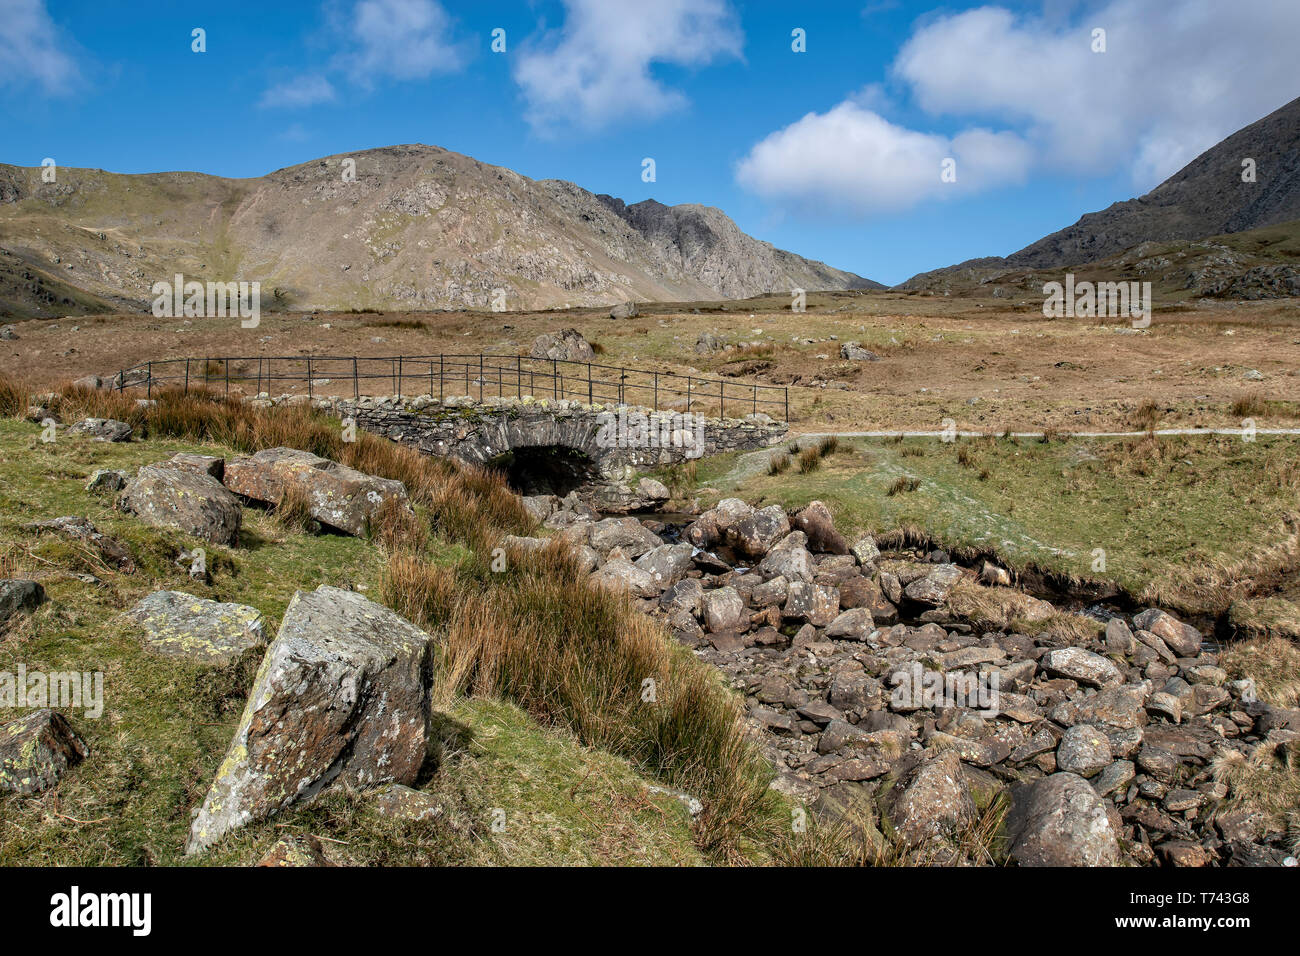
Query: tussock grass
point(1273, 663)
point(1268, 781)
point(902, 485)
point(1147, 415)
point(778, 463)
point(810, 459)
point(580, 657)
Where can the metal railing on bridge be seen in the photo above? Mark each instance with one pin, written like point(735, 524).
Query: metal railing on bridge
point(474, 375)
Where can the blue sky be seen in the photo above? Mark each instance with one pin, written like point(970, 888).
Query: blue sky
point(835, 153)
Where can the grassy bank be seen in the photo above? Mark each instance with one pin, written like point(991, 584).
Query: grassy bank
point(1192, 523)
point(545, 677)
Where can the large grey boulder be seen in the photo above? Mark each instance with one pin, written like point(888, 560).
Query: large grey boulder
point(35, 750)
point(102, 429)
point(934, 588)
point(338, 496)
point(1183, 639)
point(666, 564)
point(933, 801)
point(341, 699)
point(620, 574)
point(177, 624)
point(195, 504)
point(1060, 821)
point(723, 610)
point(627, 534)
point(567, 345)
point(18, 595)
point(790, 559)
point(1081, 665)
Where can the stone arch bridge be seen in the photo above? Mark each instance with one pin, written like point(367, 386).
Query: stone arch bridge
point(555, 447)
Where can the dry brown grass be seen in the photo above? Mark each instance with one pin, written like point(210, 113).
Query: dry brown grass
point(778, 463)
point(1147, 415)
point(1273, 663)
point(539, 635)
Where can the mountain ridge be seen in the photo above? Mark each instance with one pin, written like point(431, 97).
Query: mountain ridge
point(421, 227)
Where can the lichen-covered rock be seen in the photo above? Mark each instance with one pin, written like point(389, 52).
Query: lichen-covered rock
point(1060, 821)
point(628, 534)
point(933, 801)
point(790, 559)
point(405, 803)
point(35, 750)
point(181, 625)
point(195, 504)
point(818, 604)
point(297, 850)
point(102, 429)
point(666, 564)
point(18, 595)
point(567, 345)
point(620, 574)
point(341, 698)
point(1183, 639)
point(934, 588)
point(106, 479)
point(209, 465)
point(865, 550)
point(1081, 665)
point(338, 496)
point(722, 610)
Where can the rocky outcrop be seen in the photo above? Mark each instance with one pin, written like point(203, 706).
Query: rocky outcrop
point(338, 496)
point(195, 504)
point(209, 632)
point(341, 699)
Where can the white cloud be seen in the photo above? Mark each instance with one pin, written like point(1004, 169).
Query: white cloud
point(598, 68)
point(850, 157)
point(305, 90)
point(1175, 79)
point(32, 49)
point(401, 40)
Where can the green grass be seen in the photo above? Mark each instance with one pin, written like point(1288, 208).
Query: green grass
point(1176, 517)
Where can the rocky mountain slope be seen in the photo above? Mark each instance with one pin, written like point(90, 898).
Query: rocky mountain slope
point(1205, 198)
point(419, 228)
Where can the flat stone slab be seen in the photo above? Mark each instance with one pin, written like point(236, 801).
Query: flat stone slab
point(338, 496)
point(181, 625)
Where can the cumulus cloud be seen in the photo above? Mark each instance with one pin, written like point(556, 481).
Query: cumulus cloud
point(1175, 79)
point(599, 67)
point(32, 50)
point(402, 40)
point(852, 157)
point(305, 90)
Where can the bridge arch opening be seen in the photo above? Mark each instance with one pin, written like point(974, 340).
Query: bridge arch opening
point(546, 469)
